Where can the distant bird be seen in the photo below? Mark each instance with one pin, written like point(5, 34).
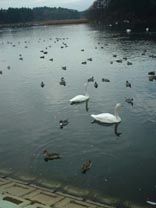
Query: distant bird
point(42, 57)
point(82, 49)
point(84, 62)
point(96, 85)
point(64, 67)
point(63, 123)
point(147, 29)
point(8, 67)
point(129, 63)
point(129, 100)
point(89, 59)
point(1, 72)
point(151, 73)
point(128, 31)
point(107, 117)
point(42, 84)
point(105, 80)
point(128, 84)
point(91, 79)
point(86, 166)
point(80, 98)
point(119, 60)
point(63, 82)
point(51, 59)
point(50, 156)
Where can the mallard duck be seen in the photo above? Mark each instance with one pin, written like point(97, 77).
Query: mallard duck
point(129, 100)
point(50, 156)
point(86, 166)
point(63, 123)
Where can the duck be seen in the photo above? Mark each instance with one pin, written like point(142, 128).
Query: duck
point(63, 82)
point(129, 100)
point(91, 79)
point(96, 85)
point(128, 84)
point(86, 166)
point(151, 73)
point(84, 62)
point(64, 67)
point(89, 59)
point(105, 80)
point(63, 123)
point(42, 84)
point(107, 117)
point(50, 156)
point(80, 98)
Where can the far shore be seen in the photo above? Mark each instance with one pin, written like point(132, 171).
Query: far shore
point(47, 22)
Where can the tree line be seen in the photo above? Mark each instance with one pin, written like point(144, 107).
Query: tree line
point(108, 10)
point(18, 15)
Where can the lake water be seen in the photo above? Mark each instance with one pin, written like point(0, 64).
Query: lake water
point(123, 166)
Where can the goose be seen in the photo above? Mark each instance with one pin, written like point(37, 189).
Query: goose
point(107, 117)
point(50, 156)
point(86, 166)
point(80, 98)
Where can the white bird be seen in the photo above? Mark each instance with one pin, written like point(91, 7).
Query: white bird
point(151, 202)
point(128, 31)
point(80, 98)
point(147, 29)
point(107, 117)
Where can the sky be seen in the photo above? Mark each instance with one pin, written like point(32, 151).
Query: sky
point(70, 4)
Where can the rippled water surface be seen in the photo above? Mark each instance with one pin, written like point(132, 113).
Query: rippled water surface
point(123, 166)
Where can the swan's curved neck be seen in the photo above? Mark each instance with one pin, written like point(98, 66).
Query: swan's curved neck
point(86, 86)
point(116, 112)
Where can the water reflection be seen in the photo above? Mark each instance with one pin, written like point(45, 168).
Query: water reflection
point(84, 102)
point(116, 125)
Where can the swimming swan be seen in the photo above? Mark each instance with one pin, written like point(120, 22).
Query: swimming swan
point(80, 98)
point(107, 117)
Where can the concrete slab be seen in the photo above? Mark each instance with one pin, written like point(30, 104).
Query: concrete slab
point(36, 205)
point(17, 189)
point(4, 181)
point(43, 197)
point(70, 203)
point(9, 201)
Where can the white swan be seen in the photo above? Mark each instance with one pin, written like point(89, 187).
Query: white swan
point(80, 98)
point(107, 117)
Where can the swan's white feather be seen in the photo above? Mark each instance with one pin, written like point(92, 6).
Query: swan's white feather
point(79, 98)
point(151, 202)
point(106, 118)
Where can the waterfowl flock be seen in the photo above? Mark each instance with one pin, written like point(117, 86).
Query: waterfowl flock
point(89, 80)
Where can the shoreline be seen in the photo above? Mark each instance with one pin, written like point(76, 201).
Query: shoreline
point(41, 23)
point(14, 186)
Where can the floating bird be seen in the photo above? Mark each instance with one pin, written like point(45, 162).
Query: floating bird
point(42, 57)
point(129, 100)
point(51, 59)
point(147, 29)
point(128, 84)
point(129, 63)
point(91, 79)
point(63, 82)
point(89, 59)
point(64, 67)
point(1, 72)
point(128, 31)
point(8, 67)
point(63, 123)
point(86, 166)
point(84, 62)
point(50, 156)
point(80, 98)
point(42, 84)
point(96, 85)
point(105, 80)
point(107, 117)
point(151, 202)
point(151, 73)
point(119, 60)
